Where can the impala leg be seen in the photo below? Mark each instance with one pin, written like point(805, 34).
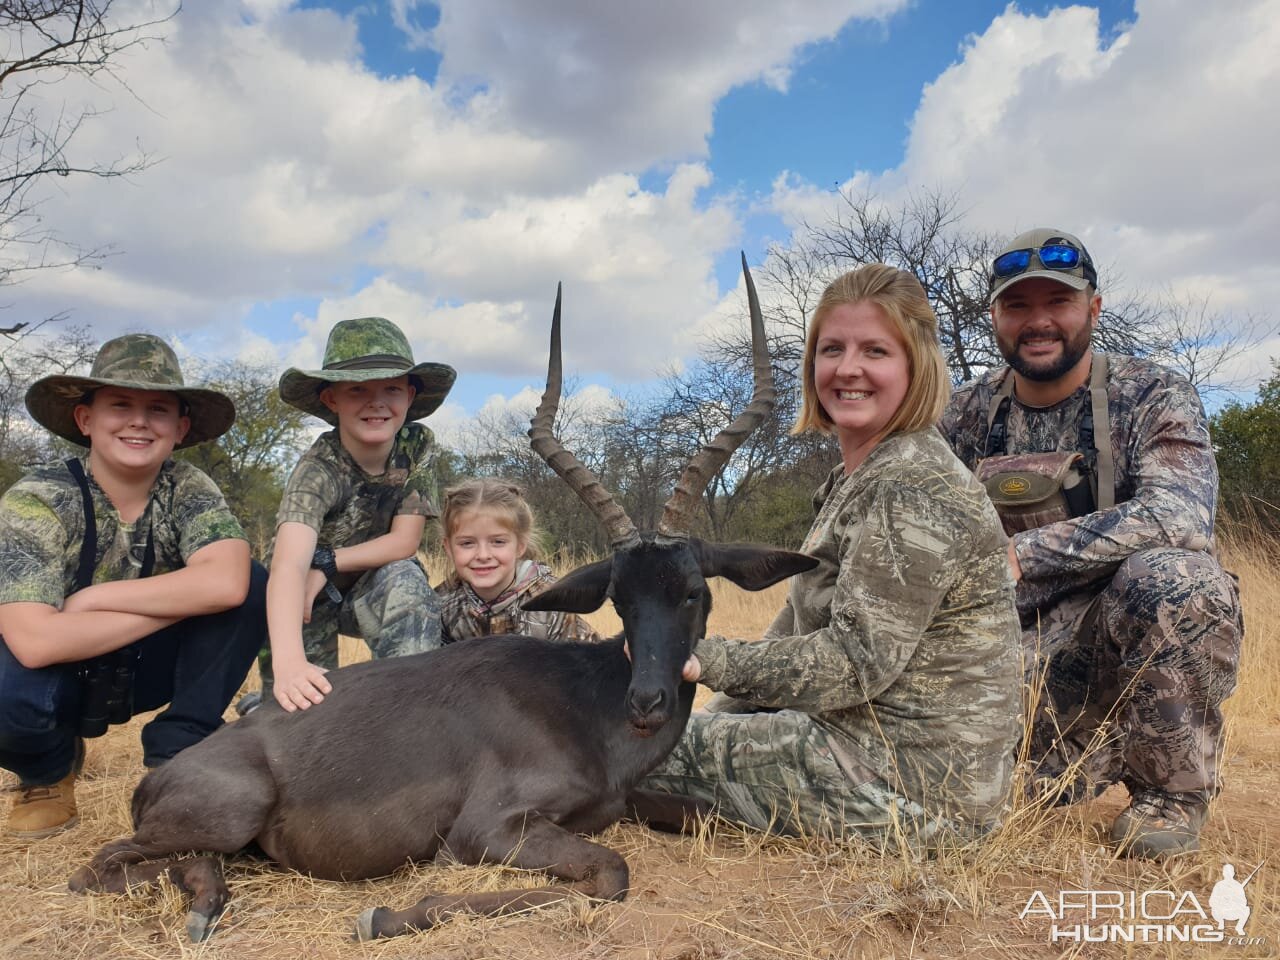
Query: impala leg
point(591, 870)
point(202, 878)
point(119, 866)
point(126, 864)
point(117, 877)
point(668, 812)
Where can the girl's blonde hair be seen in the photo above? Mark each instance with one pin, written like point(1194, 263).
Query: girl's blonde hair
point(903, 300)
point(497, 497)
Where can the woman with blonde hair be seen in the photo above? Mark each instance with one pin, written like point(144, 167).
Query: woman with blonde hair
point(884, 699)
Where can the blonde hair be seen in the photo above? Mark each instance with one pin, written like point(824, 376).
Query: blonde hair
point(903, 300)
point(498, 498)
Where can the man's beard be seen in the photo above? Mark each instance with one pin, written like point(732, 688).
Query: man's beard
point(1072, 351)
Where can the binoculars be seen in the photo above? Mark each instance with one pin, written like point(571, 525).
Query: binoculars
point(106, 694)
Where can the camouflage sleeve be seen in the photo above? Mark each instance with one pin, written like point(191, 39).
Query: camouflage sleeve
point(33, 544)
point(200, 513)
point(312, 491)
point(1175, 481)
point(420, 496)
point(895, 569)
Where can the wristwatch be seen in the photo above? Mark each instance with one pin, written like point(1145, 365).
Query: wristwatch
point(324, 561)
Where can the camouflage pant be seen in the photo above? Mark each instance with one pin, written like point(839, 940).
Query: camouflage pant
point(1134, 677)
point(393, 609)
point(781, 772)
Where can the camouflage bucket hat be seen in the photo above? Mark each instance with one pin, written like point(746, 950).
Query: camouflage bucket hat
point(368, 348)
point(136, 361)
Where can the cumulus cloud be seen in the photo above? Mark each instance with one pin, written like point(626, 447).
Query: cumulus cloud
point(1152, 145)
point(287, 169)
point(635, 84)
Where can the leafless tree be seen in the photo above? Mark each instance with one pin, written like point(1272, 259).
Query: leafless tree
point(924, 236)
point(29, 358)
point(698, 403)
point(496, 444)
point(1203, 343)
point(44, 43)
point(252, 460)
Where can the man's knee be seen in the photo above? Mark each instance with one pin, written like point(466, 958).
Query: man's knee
point(1168, 586)
point(1178, 612)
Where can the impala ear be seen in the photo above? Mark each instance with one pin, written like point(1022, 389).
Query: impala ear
point(582, 591)
point(749, 565)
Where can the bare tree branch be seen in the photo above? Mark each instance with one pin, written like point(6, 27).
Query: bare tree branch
point(1203, 343)
point(42, 44)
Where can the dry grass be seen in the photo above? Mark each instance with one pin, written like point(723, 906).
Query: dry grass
point(722, 893)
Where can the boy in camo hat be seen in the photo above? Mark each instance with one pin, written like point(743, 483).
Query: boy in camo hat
point(126, 583)
point(354, 511)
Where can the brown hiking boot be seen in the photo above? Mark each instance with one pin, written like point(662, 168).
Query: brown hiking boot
point(42, 811)
point(1159, 824)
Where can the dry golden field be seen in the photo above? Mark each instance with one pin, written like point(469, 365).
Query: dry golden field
point(720, 894)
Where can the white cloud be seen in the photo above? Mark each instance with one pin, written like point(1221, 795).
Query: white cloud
point(1157, 147)
point(630, 84)
point(288, 170)
point(449, 423)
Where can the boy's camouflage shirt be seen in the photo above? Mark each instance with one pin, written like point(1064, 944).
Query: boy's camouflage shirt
point(331, 494)
point(464, 616)
point(42, 530)
point(904, 639)
point(1165, 474)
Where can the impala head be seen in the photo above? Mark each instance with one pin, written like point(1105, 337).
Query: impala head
point(658, 581)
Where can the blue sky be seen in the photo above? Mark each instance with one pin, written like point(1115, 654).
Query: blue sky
point(445, 164)
point(850, 101)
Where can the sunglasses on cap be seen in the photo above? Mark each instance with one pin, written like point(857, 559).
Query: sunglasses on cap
point(1058, 255)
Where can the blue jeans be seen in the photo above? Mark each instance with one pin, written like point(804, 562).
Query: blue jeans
point(195, 666)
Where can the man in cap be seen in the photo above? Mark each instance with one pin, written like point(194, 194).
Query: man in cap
point(125, 582)
point(1102, 471)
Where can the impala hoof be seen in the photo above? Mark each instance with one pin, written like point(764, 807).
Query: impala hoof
point(199, 927)
point(83, 880)
point(365, 922)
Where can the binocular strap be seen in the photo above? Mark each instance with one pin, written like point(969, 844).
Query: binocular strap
point(89, 546)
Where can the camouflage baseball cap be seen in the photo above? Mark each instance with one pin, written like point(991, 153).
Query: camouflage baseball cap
point(1043, 252)
point(136, 361)
point(367, 348)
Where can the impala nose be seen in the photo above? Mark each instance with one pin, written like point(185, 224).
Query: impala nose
point(646, 708)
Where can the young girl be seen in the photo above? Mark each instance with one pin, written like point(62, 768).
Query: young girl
point(490, 539)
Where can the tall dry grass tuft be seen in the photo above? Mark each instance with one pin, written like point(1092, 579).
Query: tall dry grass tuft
point(1256, 561)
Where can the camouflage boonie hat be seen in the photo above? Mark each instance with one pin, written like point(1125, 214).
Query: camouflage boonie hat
point(368, 348)
point(136, 361)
